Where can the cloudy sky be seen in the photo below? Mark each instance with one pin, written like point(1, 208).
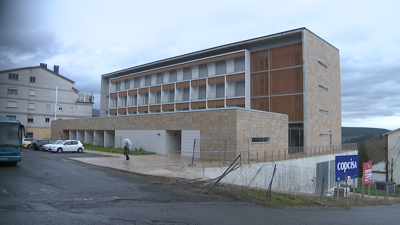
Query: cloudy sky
point(89, 38)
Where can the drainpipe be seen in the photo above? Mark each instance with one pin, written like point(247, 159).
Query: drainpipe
point(55, 105)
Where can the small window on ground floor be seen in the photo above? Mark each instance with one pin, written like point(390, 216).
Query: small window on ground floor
point(260, 140)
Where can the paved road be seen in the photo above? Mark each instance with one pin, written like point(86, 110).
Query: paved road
point(45, 188)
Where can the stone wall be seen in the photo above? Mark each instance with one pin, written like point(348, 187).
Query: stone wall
point(322, 92)
point(234, 125)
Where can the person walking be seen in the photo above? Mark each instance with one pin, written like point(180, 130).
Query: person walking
point(127, 149)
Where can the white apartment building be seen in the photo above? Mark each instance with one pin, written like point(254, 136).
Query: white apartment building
point(36, 96)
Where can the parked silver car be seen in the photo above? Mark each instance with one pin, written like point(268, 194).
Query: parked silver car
point(68, 146)
point(47, 147)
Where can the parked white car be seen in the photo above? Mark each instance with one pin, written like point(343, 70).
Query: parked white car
point(47, 147)
point(68, 146)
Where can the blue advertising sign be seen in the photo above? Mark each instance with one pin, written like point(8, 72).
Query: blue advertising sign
point(346, 166)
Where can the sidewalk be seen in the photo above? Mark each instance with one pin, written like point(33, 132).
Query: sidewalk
point(153, 165)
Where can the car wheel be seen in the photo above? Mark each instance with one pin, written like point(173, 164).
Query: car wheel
point(41, 148)
point(29, 146)
point(14, 163)
point(59, 150)
point(80, 150)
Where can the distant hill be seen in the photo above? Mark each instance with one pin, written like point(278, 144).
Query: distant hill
point(372, 137)
point(355, 132)
point(95, 113)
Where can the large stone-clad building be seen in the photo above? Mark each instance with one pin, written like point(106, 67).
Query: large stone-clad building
point(292, 76)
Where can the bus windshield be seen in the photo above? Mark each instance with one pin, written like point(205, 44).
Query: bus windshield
point(10, 135)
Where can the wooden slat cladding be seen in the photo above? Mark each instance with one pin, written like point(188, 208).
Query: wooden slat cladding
point(155, 108)
point(122, 93)
point(235, 77)
point(113, 111)
point(113, 95)
point(214, 103)
point(216, 80)
point(259, 60)
point(259, 84)
point(132, 109)
point(123, 110)
point(183, 84)
point(182, 105)
point(286, 56)
point(234, 55)
point(291, 105)
point(169, 106)
point(132, 92)
point(143, 109)
point(260, 104)
point(143, 90)
point(153, 89)
point(287, 81)
point(198, 104)
point(235, 101)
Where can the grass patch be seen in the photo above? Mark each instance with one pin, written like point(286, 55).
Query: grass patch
point(375, 192)
point(140, 151)
point(282, 200)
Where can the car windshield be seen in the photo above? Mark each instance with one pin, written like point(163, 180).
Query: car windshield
point(62, 142)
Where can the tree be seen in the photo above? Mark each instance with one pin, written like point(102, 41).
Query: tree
point(363, 157)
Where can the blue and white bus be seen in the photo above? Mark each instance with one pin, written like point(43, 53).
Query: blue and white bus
point(11, 133)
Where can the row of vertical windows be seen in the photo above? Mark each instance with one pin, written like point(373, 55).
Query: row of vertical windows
point(216, 90)
point(220, 69)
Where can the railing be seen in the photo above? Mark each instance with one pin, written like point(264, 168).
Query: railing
point(222, 158)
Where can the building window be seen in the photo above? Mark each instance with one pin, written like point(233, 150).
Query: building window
point(136, 82)
point(220, 67)
point(220, 90)
point(31, 92)
point(11, 104)
point(158, 97)
point(203, 70)
point(13, 76)
point(172, 76)
point(186, 93)
point(160, 78)
point(202, 92)
point(323, 88)
point(171, 95)
point(126, 84)
point(71, 108)
point(323, 111)
point(134, 100)
point(326, 67)
point(32, 79)
point(118, 86)
point(47, 120)
point(30, 119)
point(146, 98)
point(260, 140)
point(240, 88)
point(60, 108)
point(13, 91)
point(10, 116)
point(147, 80)
point(187, 73)
point(239, 64)
point(31, 106)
